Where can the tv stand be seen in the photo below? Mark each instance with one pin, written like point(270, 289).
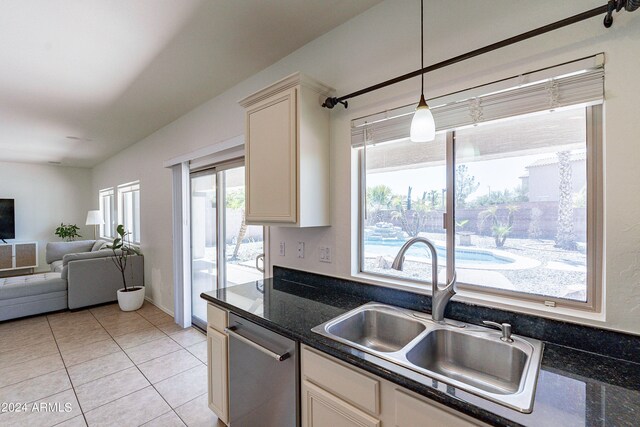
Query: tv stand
point(18, 256)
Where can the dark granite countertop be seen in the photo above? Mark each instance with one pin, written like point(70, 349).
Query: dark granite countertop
point(575, 388)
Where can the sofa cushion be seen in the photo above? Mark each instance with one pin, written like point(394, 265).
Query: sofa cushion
point(35, 284)
point(56, 266)
point(99, 244)
point(86, 255)
point(56, 250)
point(32, 304)
point(104, 254)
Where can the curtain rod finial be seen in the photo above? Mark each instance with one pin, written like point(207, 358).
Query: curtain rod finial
point(332, 102)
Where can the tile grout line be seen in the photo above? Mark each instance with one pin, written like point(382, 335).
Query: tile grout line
point(20, 347)
point(174, 411)
point(99, 378)
point(121, 349)
point(191, 327)
point(157, 357)
point(37, 376)
point(145, 377)
point(45, 397)
point(189, 401)
point(33, 378)
point(89, 360)
point(67, 371)
point(162, 415)
point(73, 387)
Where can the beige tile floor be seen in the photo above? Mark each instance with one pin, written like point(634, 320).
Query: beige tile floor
point(103, 367)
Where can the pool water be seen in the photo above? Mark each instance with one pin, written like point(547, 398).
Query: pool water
point(463, 256)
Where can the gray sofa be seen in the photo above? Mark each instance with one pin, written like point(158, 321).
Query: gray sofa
point(82, 274)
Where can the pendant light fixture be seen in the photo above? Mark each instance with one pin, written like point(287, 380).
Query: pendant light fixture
point(423, 127)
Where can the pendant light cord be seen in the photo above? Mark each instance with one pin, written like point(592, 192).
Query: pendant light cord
point(422, 45)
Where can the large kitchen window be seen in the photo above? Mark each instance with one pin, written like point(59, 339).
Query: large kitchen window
point(514, 174)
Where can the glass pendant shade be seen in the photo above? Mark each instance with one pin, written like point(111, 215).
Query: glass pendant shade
point(423, 127)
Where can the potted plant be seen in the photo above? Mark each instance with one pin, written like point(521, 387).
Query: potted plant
point(130, 298)
point(67, 232)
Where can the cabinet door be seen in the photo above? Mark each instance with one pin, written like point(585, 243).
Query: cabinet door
point(26, 255)
point(271, 160)
point(218, 381)
point(6, 257)
point(414, 412)
point(322, 409)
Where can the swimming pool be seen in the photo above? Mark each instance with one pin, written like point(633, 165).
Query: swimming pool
point(476, 256)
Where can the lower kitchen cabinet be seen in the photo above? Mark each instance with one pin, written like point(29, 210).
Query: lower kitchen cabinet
point(322, 409)
point(218, 378)
point(411, 411)
point(355, 398)
point(332, 393)
point(218, 363)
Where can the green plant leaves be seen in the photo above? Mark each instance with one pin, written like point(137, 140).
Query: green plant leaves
point(67, 232)
point(120, 258)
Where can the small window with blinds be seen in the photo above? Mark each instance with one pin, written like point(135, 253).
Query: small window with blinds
point(523, 201)
point(129, 210)
point(108, 211)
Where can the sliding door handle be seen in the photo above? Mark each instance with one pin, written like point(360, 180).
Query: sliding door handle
point(279, 357)
point(258, 258)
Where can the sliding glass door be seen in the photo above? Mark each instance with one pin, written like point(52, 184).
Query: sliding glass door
point(244, 244)
point(204, 220)
point(225, 251)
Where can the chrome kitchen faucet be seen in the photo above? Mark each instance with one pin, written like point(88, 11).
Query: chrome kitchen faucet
point(439, 297)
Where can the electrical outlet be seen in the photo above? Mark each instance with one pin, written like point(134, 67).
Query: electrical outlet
point(281, 248)
point(325, 254)
point(300, 249)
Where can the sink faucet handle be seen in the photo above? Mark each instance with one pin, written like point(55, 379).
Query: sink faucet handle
point(505, 328)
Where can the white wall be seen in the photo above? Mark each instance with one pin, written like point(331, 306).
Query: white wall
point(44, 197)
point(383, 43)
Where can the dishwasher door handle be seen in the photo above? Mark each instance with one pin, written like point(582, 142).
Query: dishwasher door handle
point(279, 357)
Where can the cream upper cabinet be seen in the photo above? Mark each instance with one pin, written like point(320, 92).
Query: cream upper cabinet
point(337, 394)
point(287, 154)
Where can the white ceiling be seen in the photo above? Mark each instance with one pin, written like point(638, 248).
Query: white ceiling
point(110, 72)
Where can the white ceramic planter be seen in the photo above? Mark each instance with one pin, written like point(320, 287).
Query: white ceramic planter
point(132, 300)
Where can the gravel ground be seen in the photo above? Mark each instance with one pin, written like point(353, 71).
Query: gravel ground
point(540, 280)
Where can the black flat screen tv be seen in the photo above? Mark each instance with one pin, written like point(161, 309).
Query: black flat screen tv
point(7, 219)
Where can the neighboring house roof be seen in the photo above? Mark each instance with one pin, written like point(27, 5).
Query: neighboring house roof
point(575, 157)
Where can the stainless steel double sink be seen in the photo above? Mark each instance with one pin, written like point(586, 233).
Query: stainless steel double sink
point(469, 357)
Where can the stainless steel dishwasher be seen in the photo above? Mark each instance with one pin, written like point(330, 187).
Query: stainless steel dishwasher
point(263, 376)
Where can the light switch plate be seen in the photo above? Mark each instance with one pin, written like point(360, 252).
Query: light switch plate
point(282, 248)
point(300, 249)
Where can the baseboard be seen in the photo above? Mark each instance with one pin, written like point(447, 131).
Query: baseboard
point(170, 313)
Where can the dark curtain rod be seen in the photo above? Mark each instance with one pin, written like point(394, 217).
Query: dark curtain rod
point(607, 8)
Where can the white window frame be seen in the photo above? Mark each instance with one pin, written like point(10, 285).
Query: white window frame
point(594, 224)
point(595, 244)
point(107, 192)
point(123, 189)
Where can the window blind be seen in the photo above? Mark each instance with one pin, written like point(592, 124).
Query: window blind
point(106, 192)
point(575, 83)
point(126, 188)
